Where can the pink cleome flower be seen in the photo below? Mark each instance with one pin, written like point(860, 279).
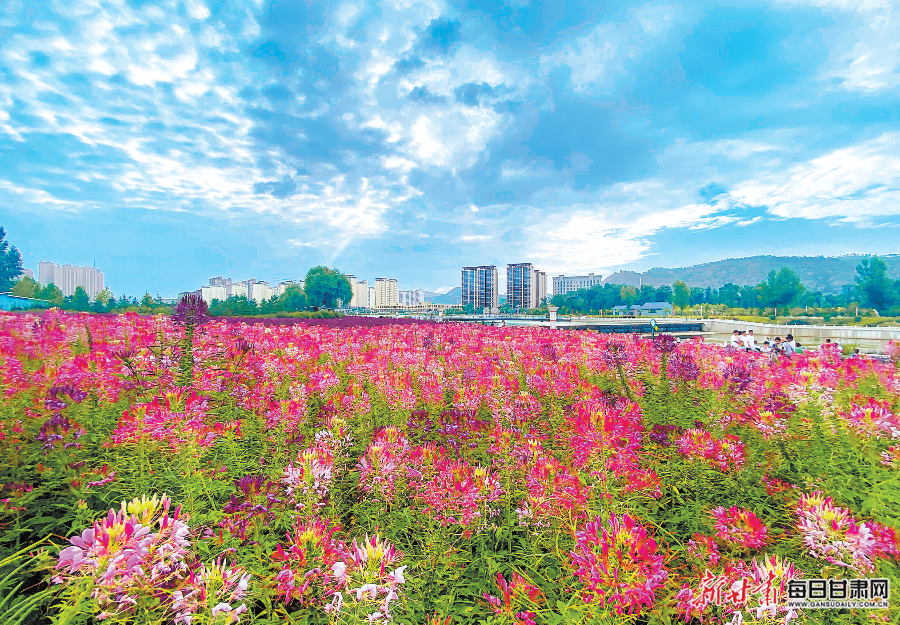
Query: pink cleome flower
point(725, 454)
point(739, 527)
point(832, 533)
point(459, 493)
point(311, 551)
point(513, 595)
point(705, 549)
point(143, 552)
point(874, 419)
point(618, 565)
point(362, 576)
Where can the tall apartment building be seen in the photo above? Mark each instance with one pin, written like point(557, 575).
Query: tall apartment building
point(218, 288)
point(520, 285)
point(68, 278)
point(386, 292)
point(223, 282)
point(243, 288)
point(371, 298)
point(209, 292)
point(258, 290)
point(352, 280)
point(412, 297)
point(540, 287)
point(361, 295)
point(360, 289)
point(479, 286)
point(567, 284)
point(526, 287)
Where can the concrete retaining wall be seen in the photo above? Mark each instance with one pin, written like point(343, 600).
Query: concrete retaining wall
point(813, 335)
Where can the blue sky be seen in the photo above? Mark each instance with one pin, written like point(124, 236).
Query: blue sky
point(173, 141)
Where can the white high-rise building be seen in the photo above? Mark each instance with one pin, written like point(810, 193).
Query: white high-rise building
point(283, 285)
point(68, 278)
point(567, 284)
point(209, 292)
point(361, 294)
point(257, 290)
point(540, 287)
point(371, 298)
point(223, 282)
point(412, 297)
point(353, 303)
point(386, 292)
point(261, 292)
point(243, 288)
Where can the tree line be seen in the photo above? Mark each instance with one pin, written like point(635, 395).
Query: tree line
point(781, 290)
point(326, 287)
point(323, 288)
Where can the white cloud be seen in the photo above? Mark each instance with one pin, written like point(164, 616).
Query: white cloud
point(450, 135)
point(39, 196)
point(740, 149)
point(198, 10)
point(454, 137)
point(299, 243)
point(854, 184)
point(585, 231)
point(866, 54)
point(182, 140)
point(602, 56)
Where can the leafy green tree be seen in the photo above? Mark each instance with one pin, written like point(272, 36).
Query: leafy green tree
point(80, 299)
point(105, 297)
point(52, 293)
point(730, 295)
point(26, 287)
point(646, 294)
point(781, 288)
point(663, 294)
point(326, 287)
point(293, 299)
point(628, 294)
point(10, 263)
point(698, 295)
point(234, 306)
point(748, 296)
point(681, 294)
point(873, 284)
point(147, 301)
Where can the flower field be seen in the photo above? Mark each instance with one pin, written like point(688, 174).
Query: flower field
point(164, 470)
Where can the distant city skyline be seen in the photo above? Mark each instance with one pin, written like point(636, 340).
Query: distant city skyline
point(260, 138)
point(68, 278)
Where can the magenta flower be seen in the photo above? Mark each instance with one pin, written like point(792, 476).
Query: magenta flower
point(739, 527)
point(516, 594)
point(619, 565)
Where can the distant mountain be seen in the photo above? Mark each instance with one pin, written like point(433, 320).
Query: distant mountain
point(453, 296)
point(818, 273)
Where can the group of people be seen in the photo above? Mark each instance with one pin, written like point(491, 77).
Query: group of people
point(787, 346)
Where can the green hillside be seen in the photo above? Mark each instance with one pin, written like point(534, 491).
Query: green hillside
point(453, 296)
point(818, 273)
